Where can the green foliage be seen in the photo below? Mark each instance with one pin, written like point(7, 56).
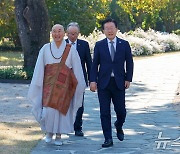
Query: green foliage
point(118, 13)
point(143, 13)
point(177, 32)
point(161, 15)
point(170, 16)
point(7, 45)
point(8, 28)
point(9, 58)
point(82, 11)
point(5, 48)
point(14, 72)
point(11, 66)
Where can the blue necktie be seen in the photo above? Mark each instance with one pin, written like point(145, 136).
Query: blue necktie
point(112, 50)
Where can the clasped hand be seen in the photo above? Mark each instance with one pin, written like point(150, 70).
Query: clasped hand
point(93, 86)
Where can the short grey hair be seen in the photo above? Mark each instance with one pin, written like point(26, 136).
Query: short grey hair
point(73, 24)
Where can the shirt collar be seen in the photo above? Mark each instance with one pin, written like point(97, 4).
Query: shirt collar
point(114, 40)
point(71, 42)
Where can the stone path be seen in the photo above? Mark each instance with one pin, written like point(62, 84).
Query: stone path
point(14, 106)
point(152, 125)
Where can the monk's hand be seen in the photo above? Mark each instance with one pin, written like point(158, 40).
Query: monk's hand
point(93, 86)
point(127, 84)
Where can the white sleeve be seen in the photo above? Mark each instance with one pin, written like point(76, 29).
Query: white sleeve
point(36, 86)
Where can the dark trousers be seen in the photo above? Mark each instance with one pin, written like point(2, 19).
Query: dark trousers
point(111, 93)
point(78, 120)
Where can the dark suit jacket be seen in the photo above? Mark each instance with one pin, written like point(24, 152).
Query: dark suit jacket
point(103, 65)
point(85, 56)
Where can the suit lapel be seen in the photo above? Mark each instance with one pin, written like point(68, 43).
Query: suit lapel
point(78, 45)
point(107, 52)
point(118, 44)
point(119, 47)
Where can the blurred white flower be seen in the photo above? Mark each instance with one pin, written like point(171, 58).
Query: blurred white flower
point(141, 42)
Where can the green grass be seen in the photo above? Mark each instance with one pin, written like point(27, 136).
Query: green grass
point(11, 66)
point(10, 58)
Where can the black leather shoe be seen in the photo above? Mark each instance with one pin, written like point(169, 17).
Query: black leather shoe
point(107, 143)
point(120, 133)
point(79, 133)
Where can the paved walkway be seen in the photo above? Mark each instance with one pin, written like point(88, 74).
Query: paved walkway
point(152, 125)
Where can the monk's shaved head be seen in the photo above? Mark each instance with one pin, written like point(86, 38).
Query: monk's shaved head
point(58, 34)
point(58, 26)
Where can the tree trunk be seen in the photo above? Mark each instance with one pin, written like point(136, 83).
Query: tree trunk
point(33, 28)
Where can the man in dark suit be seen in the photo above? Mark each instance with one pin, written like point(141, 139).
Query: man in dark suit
point(111, 74)
point(84, 52)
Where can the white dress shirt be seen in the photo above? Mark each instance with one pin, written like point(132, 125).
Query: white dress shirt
point(73, 44)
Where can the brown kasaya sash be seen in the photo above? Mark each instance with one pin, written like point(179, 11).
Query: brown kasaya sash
point(59, 84)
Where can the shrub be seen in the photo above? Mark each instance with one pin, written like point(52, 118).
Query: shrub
point(8, 45)
point(15, 72)
point(142, 43)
